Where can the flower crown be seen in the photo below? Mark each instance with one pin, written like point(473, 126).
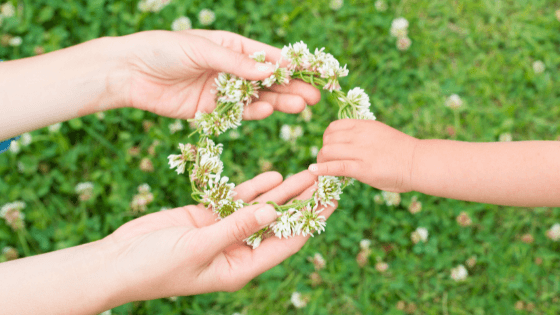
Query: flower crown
point(233, 94)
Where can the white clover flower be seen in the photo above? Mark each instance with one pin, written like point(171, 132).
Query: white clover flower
point(100, 115)
point(329, 188)
point(164, 208)
point(332, 71)
point(538, 67)
point(7, 10)
point(359, 100)
point(84, 188)
point(421, 234)
point(557, 13)
point(306, 114)
point(176, 126)
point(14, 147)
point(144, 188)
point(298, 301)
point(11, 212)
point(454, 101)
point(365, 244)
point(380, 5)
point(554, 232)
point(297, 55)
point(290, 133)
point(179, 161)
point(314, 150)
point(310, 221)
point(254, 240)
point(21, 167)
point(152, 5)
point(318, 261)
point(10, 253)
point(399, 27)
point(286, 223)
point(391, 198)
point(26, 139)
point(279, 75)
point(415, 205)
point(142, 199)
point(403, 43)
point(381, 266)
point(206, 17)
point(336, 4)
point(459, 273)
point(259, 56)
point(15, 41)
point(55, 127)
point(108, 312)
point(181, 23)
point(219, 195)
point(505, 137)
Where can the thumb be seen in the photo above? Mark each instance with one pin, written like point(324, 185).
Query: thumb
point(238, 226)
point(222, 59)
point(335, 168)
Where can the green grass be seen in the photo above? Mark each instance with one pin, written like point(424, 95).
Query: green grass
point(481, 50)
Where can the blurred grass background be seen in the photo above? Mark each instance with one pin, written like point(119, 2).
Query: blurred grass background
point(481, 50)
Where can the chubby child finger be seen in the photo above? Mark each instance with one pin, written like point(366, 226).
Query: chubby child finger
point(347, 168)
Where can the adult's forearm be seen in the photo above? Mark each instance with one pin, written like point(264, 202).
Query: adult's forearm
point(39, 91)
point(77, 280)
point(524, 173)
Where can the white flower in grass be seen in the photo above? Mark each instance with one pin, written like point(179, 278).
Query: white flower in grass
point(85, 188)
point(179, 161)
point(557, 13)
point(318, 261)
point(538, 67)
point(381, 266)
point(403, 43)
point(380, 5)
point(359, 100)
point(454, 101)
point(206, 17)
point(459, 273)
point(298, 300)
point(421, 234)
point(175, 126)
point(14, 147)
point(26, 139)
point(152, 5)
point(100, 115)
point(314, 150)
point(329, 188)
point(164, 208)
point(336, 4)
point(12, 213)
point(142, 199)
point(332, 71)
point(391, 198)
point(15, 41)
point(290, 133)
point(365, 244)
point(399, 27)
point(554, 232)
point(505, 137)
point(258, 56)
point(144, 188)
point(7, 10)
point(182, 23)
point(55, 127)
point(108, 312)
point(306, 114)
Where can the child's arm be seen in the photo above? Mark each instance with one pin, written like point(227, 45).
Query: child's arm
point(525, 173)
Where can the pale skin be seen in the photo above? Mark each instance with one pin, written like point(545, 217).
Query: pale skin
point(521, 173)
point(183, 251)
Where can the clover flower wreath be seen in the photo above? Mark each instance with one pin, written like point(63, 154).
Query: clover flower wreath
point(233, 94)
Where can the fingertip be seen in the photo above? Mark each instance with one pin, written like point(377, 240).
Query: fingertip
point(275, 177)
point(313, 169)
point(258, 110)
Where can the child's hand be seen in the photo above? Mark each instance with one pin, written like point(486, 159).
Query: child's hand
point(369, 151)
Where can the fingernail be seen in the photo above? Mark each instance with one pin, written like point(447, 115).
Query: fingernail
point(263, 67)
point(266, 215)
point(313, 168)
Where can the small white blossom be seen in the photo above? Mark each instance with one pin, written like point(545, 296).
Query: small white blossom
point(182, 23)
point(179, 161)
point(505, 137)
point(318, 261)
point(206, 17)
point(454, 101)
point(286, 223)
point(314, 150)
point(359, 100)
point(403, 43)
point(298, 301)
point(336, 4)
point(421, 234)
point(365, 244)
point(329, 188)
point(26, 139)
point(557, 13)
point(310, 221)
point(399, 27)
point(7, 10)
point(176, 126)
point(290, 133)
point(306, 114)
point(108, 312)
point(14, 147)
point(55, 127)
point(380, 5)
point(15, 41)
point(459, 273)
point(381, 266)
point(12, 213)
point(100, 115)
point(254, 240)
point(258, 56)
point(297, 54)
point(538, 67)
point(554, 232)
point(391, 198)
point(84, 188)
point(152, 5)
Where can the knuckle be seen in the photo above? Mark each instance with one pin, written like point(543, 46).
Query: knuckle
point(239, 231)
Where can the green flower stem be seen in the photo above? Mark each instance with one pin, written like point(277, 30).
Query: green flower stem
point(23, 242)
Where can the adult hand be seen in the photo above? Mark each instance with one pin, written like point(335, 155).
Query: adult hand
point(172, 73)
point(185, 251)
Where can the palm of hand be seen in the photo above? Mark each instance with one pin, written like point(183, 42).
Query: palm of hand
point(176, 252)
